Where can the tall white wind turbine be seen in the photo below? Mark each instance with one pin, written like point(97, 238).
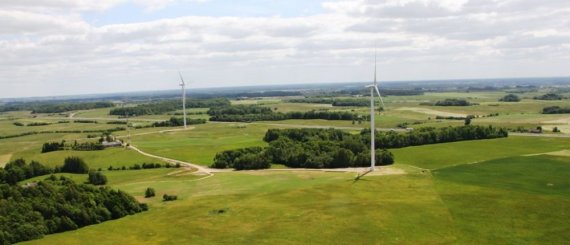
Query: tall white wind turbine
point(183, 85)
point(373, 89)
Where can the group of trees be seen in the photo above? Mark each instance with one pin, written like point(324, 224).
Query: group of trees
point(19, 170)
point(74, 165)
point(97, 178)
point(60, 146)
point(555, 110)
point(332, 101)
point(331, 148)
point(430, 135)
point(175, 122)
point(137, 166)
point(38, 107)
point(167, 106)
point(549, 96)
point(250, 113)
point(453, 102)
point(57, 205)
point(304, 148)
point(242, 159)
point(510, 98)
point(85, 121)
point(53, 146)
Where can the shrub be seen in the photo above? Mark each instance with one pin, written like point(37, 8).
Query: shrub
point(168, 198)
point(74, 165)
point(97, 178)
point(549, 96)
point(510, 98)
point(149, 192)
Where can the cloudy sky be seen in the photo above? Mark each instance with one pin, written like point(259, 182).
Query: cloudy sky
point(56, 47)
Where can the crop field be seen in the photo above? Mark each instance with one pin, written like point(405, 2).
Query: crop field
point(498, 191)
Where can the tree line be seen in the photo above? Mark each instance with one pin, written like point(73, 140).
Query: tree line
point(555, 110)
point(63, 132)
point(333, 148)
point(332, 101)
point(304, 148)
point(37, 107)
point(454, 102)
point(549, 96)
point(176, 122)
point(60, 146)
point(510, 98)
point(57, 205)
point(162, 107)
point(18, 170)
point(250, 113)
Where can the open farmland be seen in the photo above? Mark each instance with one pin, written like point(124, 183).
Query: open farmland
point(433, 194)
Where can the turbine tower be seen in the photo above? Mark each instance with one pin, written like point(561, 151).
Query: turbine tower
point(373, 89)
point(183, 85)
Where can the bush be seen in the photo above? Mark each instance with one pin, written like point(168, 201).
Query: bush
point(52, 146)
point(555, 110)
point(97, 178)
point(549, 96)
point(168, 198)
point(149, 192)
point(74, 165)
point(510, 98)
point(453, 102)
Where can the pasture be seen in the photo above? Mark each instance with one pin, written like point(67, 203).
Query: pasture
point(508, 191)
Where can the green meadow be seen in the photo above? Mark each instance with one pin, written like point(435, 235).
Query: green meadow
point(513, 190)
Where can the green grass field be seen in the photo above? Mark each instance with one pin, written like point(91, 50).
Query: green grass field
point(499, 191)
point(201, 144)
point(526, 198)
point(467, 152)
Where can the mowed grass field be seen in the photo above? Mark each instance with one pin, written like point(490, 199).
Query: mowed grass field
point(467, 152)
point(474, 192)
point(200, 145)
point(281, 208)
point(518, 200)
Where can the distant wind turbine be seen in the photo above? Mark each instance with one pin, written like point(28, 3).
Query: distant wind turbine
point(373, 89)
point(183, 85)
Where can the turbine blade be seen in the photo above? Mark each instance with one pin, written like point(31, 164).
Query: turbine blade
point(380, 96)
point(374, 67)
point(181, 79)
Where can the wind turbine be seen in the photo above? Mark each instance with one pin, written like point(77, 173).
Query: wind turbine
point(373, 89)
point(183, 85)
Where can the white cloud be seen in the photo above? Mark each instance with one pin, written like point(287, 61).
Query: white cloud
point(50, 46)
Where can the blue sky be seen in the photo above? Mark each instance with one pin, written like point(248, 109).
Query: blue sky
point(131, 12)
point(63, 47)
